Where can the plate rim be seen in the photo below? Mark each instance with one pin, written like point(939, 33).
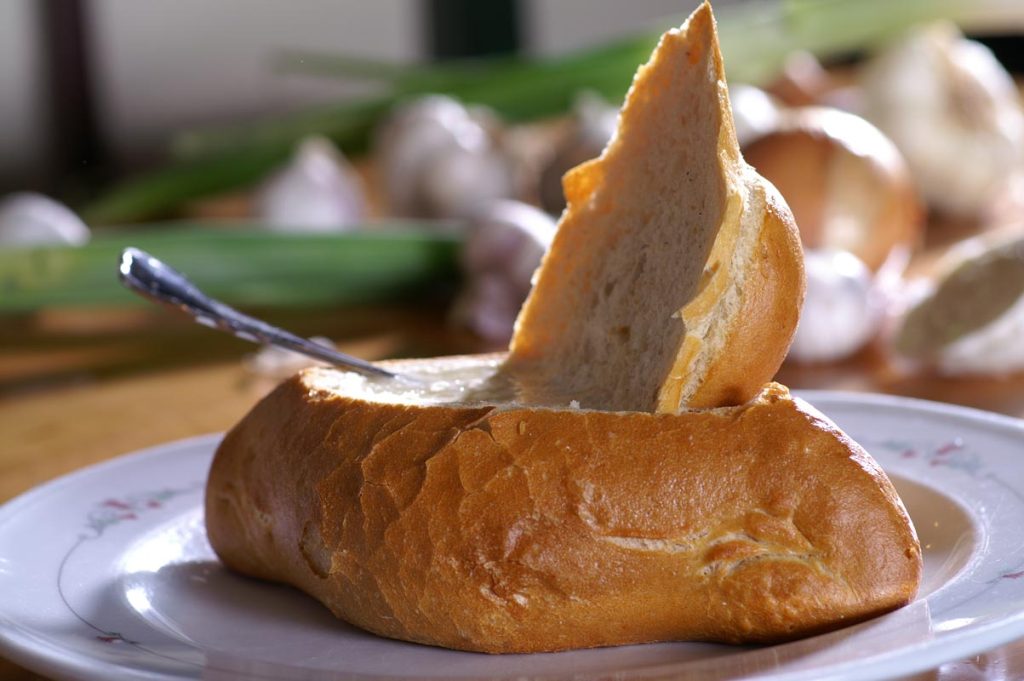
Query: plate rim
point(22, 647)
point(37, 653)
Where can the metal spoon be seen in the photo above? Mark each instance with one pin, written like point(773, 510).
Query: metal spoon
point(153, 279)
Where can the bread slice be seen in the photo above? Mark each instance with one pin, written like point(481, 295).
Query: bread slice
point(676, 276)
point(505, 528)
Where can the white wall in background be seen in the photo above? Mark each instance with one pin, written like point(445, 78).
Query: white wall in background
point(165, 64)
point(559, 26)
point(22, 109)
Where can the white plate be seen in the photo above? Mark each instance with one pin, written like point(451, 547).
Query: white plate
point(107, 573)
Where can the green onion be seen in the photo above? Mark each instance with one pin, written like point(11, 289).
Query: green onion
point(242, 266)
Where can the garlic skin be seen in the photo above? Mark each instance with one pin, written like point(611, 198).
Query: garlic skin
point(30, 219)
point(596, 119)
point(460, 182)
point(317, 191)
point(593, 125)
point(437, 159)
point(842, 310)
point(755, 113)
point(502, 251)
point(954, 112)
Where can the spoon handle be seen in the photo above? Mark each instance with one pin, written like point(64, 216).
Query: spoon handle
point(153, 279)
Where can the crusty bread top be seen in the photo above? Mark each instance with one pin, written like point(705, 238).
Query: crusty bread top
point(670, 249)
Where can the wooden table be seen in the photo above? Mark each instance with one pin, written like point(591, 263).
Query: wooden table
point(77, 388)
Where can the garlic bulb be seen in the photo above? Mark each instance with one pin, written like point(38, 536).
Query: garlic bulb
point(802, 81)
point(437, 159)
point(30, 219)
point(755, 113)
point(953, 111)
point(318, 190)
point(460, 182)
point(593, 124)
point(846, 183)
point(502, 251)
point(842, 310)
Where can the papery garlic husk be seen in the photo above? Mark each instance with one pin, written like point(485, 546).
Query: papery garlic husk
point(593, 124)
point(31, 219)
point(437, 159)
point(755, 113)
point(969, 319)
point(460, 182)
point(846, 183)
point(488, 306)
point(954, 113)
point(414, 132)
point(842, 311)
point(802, 81)
point(502, 251)
point(318, 190)
point(509, 237)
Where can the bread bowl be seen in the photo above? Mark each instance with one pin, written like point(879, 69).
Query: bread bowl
point(504, 505)
point(522, 529)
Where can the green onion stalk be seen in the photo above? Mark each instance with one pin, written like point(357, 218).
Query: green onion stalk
point(240, 263)
point(756, 36)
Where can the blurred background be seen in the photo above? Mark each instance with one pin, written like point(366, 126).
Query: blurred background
point(96, 88)
point(386, 176)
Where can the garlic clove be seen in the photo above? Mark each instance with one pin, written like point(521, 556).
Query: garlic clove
point(755, 113)
point(317, 191)
point(30, 219)
point(403, 145)
point(428, 132)
point(597, 120)
point(803, 81)
point(509, 237)
point(593, 125)
point(459, 182)
point(954, 112)
point(842, 310)
point(488, 307)
point(503, 249)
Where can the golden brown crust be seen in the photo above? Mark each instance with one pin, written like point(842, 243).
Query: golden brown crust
point(770, 301)
point(520, 530)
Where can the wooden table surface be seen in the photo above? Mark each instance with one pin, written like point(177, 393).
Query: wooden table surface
point(81, 387)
